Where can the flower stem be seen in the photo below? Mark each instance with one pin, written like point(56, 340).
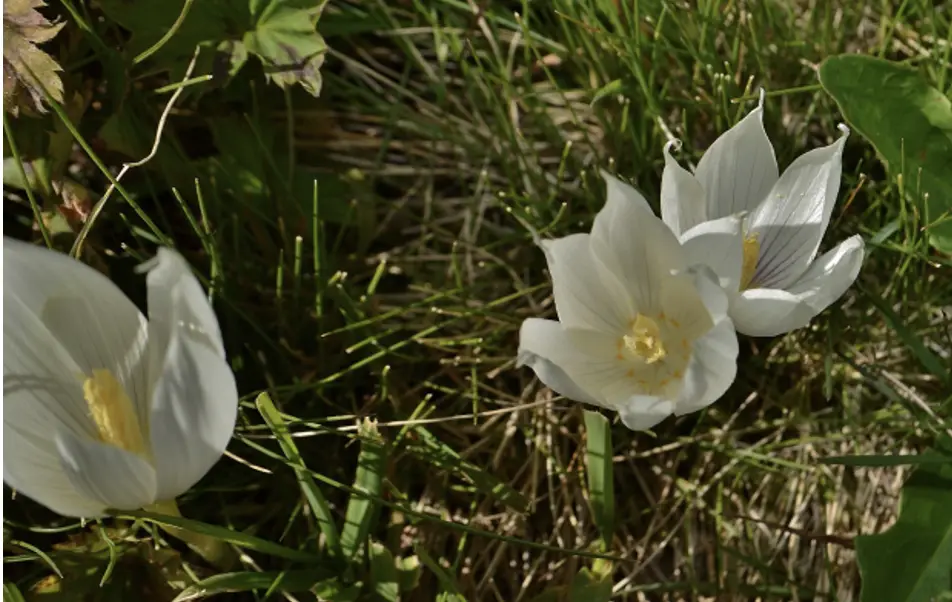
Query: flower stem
point(215, 551)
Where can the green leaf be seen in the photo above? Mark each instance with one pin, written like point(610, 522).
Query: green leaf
point(11, 593)
point(907, 120)
point(409, 571)
point(312, 493)
point(383, 573)
point(235, 537)
point(447, 582)
point(361, 510)
point(285, 38)
point(598, 462)
point(279, 581)
point(29, 74)
point(912, 560)
point(590, 586)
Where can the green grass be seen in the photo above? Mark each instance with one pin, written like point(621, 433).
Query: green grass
point(396, 292)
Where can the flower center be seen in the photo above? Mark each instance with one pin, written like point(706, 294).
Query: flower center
point(644, 340)
point(113, 413)
point(749, 265)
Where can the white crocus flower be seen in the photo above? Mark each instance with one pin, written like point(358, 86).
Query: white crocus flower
point(101, 407)
point(760, 232)
point(637, 332)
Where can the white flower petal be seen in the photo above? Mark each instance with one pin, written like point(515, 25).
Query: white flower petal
point(712, 368)
point(683, 204)
point(96, 324)
point(718, 244)
point(740, 168)
point(767, 312)
point(167, 272)
point(830, 275)
point(642, 412)
point(555, 378)
point(586, 295)
point(41, 396)
point(622, 194)
point(195, 400)
point(575, 364)
point(113, 477)
point(792, 219)
point(683, 306)
point(637, 247)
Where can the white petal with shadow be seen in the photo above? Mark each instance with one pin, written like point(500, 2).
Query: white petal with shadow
point(113, 477)
point(790, 223)
point(718, 244)
point(637, 247)
point(195, 401)
point(711, 370)
point(586, 295)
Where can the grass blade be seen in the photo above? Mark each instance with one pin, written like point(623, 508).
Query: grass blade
point(598, 461)
point(313, 495)
point(361, 509)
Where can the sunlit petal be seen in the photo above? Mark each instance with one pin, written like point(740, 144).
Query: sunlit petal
point(740, 168)
point(586, 295)
point(631, 242)
point(683, 204)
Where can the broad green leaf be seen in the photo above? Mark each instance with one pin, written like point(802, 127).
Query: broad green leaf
point(312, 493)
point(912, 560)
point(278, 581)
point(907, 120)
point(29, 74)
point(383, 573)
point(598, 462)
point(361, 510)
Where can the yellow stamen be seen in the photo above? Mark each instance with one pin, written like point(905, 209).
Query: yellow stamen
point(113, 413)
point(644, 340)
point(749, 266)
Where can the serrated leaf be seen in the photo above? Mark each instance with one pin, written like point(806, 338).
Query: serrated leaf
point(907, 120)
point(912, 560)
point(29, 74)
point(285, 38)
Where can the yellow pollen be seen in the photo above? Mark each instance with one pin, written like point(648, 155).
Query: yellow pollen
point(113, 413)
point(644, 340)
point(749, 266)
